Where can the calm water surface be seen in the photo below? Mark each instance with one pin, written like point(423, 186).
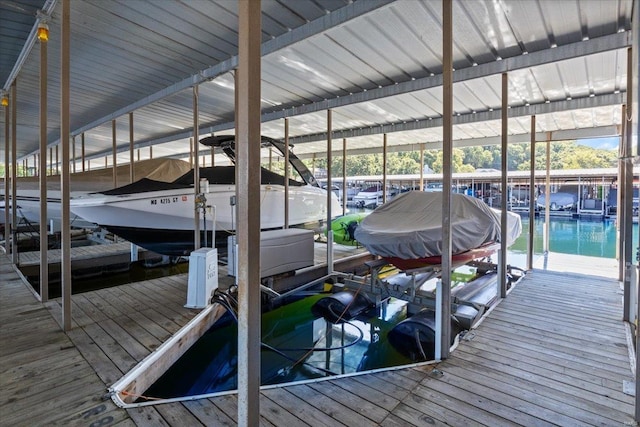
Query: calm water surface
point(572, 236)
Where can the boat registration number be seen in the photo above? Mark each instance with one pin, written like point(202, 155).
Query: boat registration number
point(164, 200)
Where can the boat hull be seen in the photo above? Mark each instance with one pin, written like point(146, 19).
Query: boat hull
point(164, 221)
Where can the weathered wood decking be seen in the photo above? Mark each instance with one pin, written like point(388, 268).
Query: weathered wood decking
point(554, 352)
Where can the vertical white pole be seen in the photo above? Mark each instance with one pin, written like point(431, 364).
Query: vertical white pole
point(502, 255)
point(64, 177)
point(344, 176)
point(14, 165)
point(384, 168)
point(248, 208)
point(286, 173)
point(42, 178)
point(196, 168)
point(547, 198)
point(329, 191)
point(114, 153)
point(131, 160)
point(443, 310)
point(532, 193)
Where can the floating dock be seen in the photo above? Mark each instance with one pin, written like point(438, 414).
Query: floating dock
point(554, 352)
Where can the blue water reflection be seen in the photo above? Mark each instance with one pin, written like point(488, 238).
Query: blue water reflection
point(573, 236)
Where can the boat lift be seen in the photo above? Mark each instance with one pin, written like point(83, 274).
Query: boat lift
point(470, 300)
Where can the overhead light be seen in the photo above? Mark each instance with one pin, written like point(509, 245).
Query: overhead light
point(43, 32)
point(5, 100)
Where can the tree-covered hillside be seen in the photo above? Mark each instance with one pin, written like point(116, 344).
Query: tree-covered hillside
point(564, 155)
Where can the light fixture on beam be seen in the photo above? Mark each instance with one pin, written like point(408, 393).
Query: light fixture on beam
point(43, 32)
point(4, 101)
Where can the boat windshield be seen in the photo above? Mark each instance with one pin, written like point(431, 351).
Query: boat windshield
point(227, 144)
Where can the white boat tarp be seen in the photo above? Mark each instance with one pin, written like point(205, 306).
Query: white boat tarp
point(410, 226)
point(160, 169)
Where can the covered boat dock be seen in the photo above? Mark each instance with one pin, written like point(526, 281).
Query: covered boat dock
point(374, 74)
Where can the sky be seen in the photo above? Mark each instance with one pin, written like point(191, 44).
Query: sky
point(602, 143)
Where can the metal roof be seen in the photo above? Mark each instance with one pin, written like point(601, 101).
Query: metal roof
point(375, 63)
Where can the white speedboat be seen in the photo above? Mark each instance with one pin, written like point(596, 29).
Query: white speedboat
point(159, 216)
point(559, 201)
point(370, 197)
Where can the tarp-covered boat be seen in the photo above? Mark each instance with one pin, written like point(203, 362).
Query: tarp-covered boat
point(408, 229)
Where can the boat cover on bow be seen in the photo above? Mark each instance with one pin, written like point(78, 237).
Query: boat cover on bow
point(410, 226)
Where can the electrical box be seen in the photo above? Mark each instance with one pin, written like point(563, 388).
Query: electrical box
point(203, 277)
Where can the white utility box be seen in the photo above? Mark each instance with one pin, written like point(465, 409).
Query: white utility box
point(203, 277)
point(280, 251)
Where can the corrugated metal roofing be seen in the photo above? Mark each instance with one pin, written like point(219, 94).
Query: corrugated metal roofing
point(376, 63)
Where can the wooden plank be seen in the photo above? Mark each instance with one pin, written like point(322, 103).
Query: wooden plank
point(136, 350)
point(550, 355)
point(451, 410)
point(95, 412)
point(500, 404)
point(114, 351)
point(208, 414)
point(603, 403)
point(121, 301)
point(563, 324)
point(146, 416)
point(104, 367)
point(67, 358)
point(395, 421)
point(330, 406)
point(412, 416)
point(360, 404)
point(524, 360)
point(21, 348)
point(551, 328)
point(501, 326)
point(40, 406)
point(125, 423)
point(178, 314)
point(377, 383)
point(176, 414)
point(588, 351)
point(290, 402)
point(356, 388)
point(546, 400)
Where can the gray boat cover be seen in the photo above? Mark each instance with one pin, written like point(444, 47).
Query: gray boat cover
point(410, 226)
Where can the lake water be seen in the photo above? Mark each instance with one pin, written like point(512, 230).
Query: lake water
point(572, 236)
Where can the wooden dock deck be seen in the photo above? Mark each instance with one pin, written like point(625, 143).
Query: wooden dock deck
point(554, 352)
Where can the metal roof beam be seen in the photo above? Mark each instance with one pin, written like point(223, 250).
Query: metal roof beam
point(296, 35)
point(42, 17)
point(559, 135)
point(537, 109)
